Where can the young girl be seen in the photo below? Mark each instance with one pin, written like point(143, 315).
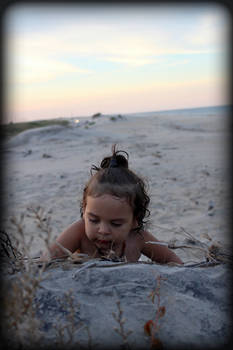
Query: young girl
point(113, 209)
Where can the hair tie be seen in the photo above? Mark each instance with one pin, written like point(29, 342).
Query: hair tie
point(113, 163)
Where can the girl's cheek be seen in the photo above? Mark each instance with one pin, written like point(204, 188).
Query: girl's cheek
point(90, 236)
point(88, 230)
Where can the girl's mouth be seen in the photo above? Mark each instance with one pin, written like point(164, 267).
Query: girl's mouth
point(103, 243)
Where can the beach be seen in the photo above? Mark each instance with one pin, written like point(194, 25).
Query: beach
point(105, 304)
point(184, 161)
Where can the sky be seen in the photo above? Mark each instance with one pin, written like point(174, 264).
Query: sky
point(78, 60)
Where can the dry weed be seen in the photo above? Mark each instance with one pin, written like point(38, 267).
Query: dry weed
point(151, 327)
point(121, 322)
point(20, 321)
point(214, 252)
point(66, 332)
point(22, 328)
point(19, 291)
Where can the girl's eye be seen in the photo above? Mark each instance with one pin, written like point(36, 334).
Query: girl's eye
point(116, 224)
point(96, 221)
point(93, 221)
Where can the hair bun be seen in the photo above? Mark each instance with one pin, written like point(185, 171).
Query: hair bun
point(116, 160)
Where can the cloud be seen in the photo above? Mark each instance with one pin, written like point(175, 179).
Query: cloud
point(130, 60)
point(33, 63)
point(177, 63)
point(38, 71)
point(44, 57)
point(209, 32)
point(41, 56)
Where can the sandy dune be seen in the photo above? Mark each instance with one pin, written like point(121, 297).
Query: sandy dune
point(184, 161)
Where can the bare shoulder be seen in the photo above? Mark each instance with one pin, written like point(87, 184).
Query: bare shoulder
point(72, 235)
point(147, 236)
point(78, 227)
point(71, 239)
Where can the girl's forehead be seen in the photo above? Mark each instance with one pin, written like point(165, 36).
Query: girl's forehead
point(109, 198)
point(107, 203)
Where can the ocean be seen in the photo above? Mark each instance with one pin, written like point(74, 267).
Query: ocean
point(189, 112)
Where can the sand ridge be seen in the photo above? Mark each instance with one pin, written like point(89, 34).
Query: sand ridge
point(185, 162)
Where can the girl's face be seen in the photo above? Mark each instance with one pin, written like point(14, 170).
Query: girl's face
point(108, 220)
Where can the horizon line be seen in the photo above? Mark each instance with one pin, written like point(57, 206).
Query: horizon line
point(117, 113)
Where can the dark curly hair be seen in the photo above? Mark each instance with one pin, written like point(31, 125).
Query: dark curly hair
point(115, 178)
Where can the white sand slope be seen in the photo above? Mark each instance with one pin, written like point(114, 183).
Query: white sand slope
point(196, 304)
point(184, 161)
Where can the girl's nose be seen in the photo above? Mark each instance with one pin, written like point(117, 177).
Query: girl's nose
point(104, 228)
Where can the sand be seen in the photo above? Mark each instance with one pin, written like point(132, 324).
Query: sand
point(185, 163)
point(196, 304)
point(184, 160)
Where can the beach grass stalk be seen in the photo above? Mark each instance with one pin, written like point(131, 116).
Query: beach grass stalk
point(12, 129)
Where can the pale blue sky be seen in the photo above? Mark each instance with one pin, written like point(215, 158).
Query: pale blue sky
point(79, 60)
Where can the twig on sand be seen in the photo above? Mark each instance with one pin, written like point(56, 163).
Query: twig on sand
point(214, 252)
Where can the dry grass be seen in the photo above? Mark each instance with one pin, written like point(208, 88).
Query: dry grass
point(213, 252)
point(23, 328)
point(121, 323)
point(67, 332)
point(152, 327)
point(12, 129)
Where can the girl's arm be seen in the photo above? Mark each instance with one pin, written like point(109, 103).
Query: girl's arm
point(156, 252)
point(69, 239)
